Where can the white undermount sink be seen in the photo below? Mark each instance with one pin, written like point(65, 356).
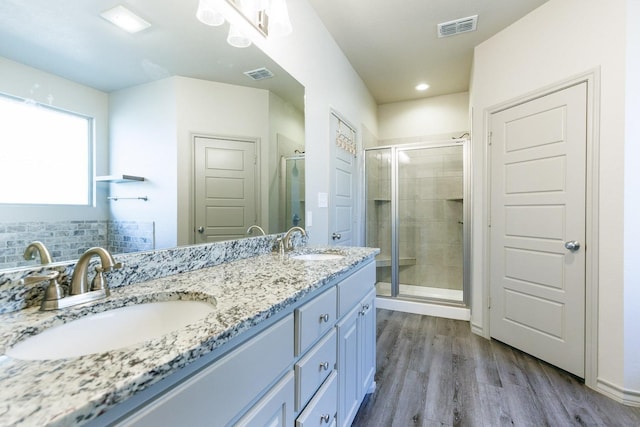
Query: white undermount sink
point(318, 257)
point(110, 330)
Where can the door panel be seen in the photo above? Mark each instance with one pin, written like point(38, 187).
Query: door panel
point(224, 188)
point(343, 220)
point(538, 175)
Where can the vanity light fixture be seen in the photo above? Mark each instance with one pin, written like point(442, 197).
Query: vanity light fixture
point(208, 14)
point(125, 19)
point(270, 17)
point(422, 87)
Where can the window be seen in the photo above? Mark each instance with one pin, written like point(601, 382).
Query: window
point(45, 154)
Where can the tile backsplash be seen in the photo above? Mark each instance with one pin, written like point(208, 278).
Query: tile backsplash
point(69, 239)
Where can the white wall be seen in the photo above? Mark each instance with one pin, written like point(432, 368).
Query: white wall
point(285, 120)
point(143, 142)
point(216, 109)
point(313, 58)
point(439, 116)
point(30, 83)
point(632, 202)
point(561, 39)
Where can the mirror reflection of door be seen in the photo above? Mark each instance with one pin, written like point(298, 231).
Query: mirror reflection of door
point(224, 188)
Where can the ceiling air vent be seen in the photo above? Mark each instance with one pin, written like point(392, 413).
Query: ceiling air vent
point(458, 26)
point(259, 74)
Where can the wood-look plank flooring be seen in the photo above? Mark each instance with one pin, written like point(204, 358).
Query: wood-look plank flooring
point(435, 372)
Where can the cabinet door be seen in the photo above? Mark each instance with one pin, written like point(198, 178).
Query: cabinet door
point(348, 362)
point(275, 409)
point(367, 345)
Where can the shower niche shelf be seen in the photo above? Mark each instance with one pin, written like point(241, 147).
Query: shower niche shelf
point(455, 199)
point(385, 261)
point(119, 178)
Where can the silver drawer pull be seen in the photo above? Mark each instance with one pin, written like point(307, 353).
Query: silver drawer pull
point(325, 366)
point(324, 317)
point(325, 418)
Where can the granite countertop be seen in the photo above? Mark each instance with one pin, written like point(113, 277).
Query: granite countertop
point(74, 390)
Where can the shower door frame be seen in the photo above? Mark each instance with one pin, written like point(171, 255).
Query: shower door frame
point(395, 224)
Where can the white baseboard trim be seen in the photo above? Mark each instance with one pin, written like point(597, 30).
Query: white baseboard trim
point(619, 394)
point(429, 309)
point(477, 329)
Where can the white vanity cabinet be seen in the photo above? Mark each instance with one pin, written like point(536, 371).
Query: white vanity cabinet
point(356, 357)
point(312, 367)
point(215, 395)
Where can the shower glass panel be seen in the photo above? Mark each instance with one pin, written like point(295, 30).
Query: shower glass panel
point(415, 214)
point(292, 192)
point(378, 187)
point(430, 214)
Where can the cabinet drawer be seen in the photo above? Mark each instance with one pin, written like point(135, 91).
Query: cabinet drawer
point(275, 409)
point(314, 368)
point(352, 289)
point(314, 319)
point(322, 408)
point(215, 395)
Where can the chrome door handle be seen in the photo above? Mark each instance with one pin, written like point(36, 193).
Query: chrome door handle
point(572, 245)
point(325, 418)
point(324, 317)
point(200, 229)
point(324, 366)
point(336, 236)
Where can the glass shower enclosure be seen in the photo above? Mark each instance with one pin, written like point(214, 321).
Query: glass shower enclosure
point(416, 213)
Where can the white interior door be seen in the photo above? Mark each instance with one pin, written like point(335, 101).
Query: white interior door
point(342, 216)
point(224, 188)
point(538, 176)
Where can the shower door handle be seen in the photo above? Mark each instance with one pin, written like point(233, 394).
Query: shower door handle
point(200, 229)
point(336, 236)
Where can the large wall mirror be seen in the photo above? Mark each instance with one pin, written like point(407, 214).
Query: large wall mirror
point(156, 98)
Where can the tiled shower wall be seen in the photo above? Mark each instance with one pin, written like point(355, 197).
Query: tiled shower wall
point(67, 240)
point(430, 213)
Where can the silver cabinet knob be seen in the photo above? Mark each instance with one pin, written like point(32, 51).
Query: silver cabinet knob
point(200, 229)
point(324, 366)
point(325, 418)
point(336, 236)
point(572, 245)
point(324, 317)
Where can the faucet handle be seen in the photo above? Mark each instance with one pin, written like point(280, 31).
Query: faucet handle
point(37, 278)
point(99, 283)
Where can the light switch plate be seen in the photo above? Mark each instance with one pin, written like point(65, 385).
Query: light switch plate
point(323, 200)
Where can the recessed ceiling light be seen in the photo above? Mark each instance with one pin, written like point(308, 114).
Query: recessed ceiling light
point(125, 19)
point(422, 86)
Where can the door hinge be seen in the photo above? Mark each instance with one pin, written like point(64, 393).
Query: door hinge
point(255, 159)
point(490, 136)
point(489, 304)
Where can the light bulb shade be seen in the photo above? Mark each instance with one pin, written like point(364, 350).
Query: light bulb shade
point(236, 38)
point(279, 23)
point(207, 14)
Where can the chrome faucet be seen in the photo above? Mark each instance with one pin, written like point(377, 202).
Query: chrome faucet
point(285, 242)
point(37, 247)
point(250, 230)
point(79, 280)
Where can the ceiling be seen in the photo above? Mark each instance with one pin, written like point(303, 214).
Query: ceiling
point(393, 45)
point(70, 39)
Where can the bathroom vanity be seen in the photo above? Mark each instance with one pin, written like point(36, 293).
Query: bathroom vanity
point(290, 342)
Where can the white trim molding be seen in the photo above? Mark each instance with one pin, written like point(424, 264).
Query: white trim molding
point(619, 394)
